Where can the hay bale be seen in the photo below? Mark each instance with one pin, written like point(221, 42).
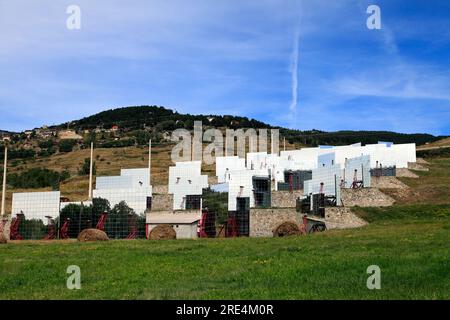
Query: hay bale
point(162, 232)
point(3, 239)
point(92, 235)
point(287, 228)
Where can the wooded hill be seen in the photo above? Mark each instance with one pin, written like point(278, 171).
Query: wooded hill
point(160, 119)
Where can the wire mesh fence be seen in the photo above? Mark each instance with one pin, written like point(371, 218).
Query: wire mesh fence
point(118, 222)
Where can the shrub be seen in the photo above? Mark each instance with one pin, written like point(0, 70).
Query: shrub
point(46, 144)
point(47, 152)
point(37, 178)
point(32, 229)
point(66, 145)
point(216, 202)
point(85, 168)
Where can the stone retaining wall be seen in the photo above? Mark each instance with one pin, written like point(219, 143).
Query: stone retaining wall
point(162, 202)
point(342, 218)
point(365, 197)
point(264, 221)
point(285, 199)
point(175, 212)
point(387, 183)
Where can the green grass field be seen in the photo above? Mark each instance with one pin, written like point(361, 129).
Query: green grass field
point(409, 242)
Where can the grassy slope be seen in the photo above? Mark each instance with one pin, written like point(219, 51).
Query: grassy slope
point(437, 144)
point(433, 187)
point(408, 241)
point(413, 256)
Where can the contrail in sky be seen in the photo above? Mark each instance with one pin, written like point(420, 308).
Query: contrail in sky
point(294, 73)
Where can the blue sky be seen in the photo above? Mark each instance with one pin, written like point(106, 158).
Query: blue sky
point(300, 63)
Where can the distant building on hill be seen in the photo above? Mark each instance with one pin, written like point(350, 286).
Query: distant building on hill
point(69, 134)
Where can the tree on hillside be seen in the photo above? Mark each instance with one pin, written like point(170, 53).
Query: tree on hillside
point(86, 166)
point(46, 144)
point(89, 138)
point(38, 178)
point(66, 145)
point(142, 137)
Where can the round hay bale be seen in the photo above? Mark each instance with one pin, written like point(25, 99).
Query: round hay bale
point(163, 231)
point(287, 228)
point(3, 239)
point(92, 235)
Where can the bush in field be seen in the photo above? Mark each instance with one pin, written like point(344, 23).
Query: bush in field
point(82, 217)
point(32, 229)
point(99, 206)
point(216, 202)
point(117, 224)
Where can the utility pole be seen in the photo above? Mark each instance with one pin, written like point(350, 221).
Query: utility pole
point(284, 144)
point(90, 170)
point(4, 181)
point(150, 162)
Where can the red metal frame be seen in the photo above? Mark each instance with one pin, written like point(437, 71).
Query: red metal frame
point(51, 230)
point(201, 225)
point(291, 182)
point(321, 188)
point(101, 221)
point(356, 184)
point(64, 231)
point(304, 226)
point(231, 229)
point(14, 230)
point(204, 225)
point(134, 229)
point(147, 231)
